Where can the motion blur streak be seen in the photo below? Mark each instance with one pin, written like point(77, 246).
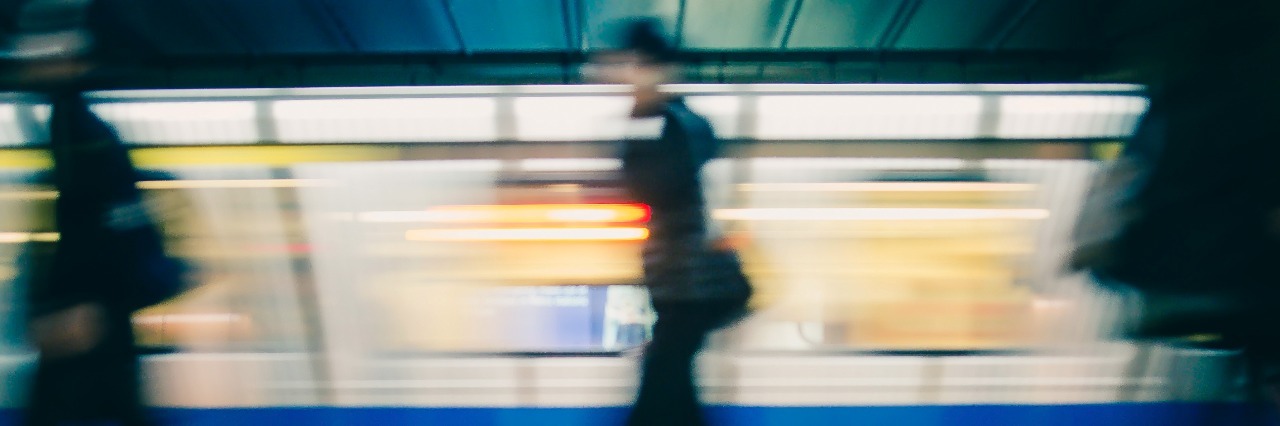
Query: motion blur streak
point(23, 237)
point(188, 318)
point(532, 213)
point(528, 234)
point(28, 195)
point(889, 187)
point(231, 183)
point(879, 214)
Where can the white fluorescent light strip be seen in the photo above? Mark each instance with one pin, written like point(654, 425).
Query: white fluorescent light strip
point(556, 112)
point(868, 214)
point(862, 117)
point(177, 111)
point(570, 164)
point(580, 113)
point(888, 187)
point(24, 237)
point(1072, 104)
point(571, 118)
point(233, 183)
point(460, 119)
point(1067, 116)
point(384, 108)
point(723, 112)
point(528, 234)
point(182, 123)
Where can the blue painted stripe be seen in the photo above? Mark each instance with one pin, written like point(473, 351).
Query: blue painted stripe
point(1163, 414)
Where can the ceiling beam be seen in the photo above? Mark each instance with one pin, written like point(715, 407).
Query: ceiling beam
point(901, 18)
point(572, 19)
point(860, 66)
point(217, 23)
point(691, 56)
point(331, 23)
point(680, 12)
point(455, 27)
point(791, 23)
point(1007, 27)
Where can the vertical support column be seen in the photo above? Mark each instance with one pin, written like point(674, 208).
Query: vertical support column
point(305, 287)
point(309, 304)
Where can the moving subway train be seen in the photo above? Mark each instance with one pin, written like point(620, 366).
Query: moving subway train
point(450, 247)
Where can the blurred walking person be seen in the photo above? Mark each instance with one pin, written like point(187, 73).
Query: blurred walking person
point(1188, 219)
point(109, 259)
point(696, 286)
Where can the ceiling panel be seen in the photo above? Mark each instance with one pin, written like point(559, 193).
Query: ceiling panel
point(599, 14)
point(735, 24)
point(274, 27)
point(951, 24)
point(498, 25)
point(1058, 24)
point(396, 26)
point(841, 24)
point(279, 26)
point(170, 27)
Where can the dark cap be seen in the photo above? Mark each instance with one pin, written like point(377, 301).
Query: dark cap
point(646, 37)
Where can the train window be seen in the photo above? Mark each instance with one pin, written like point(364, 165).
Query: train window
point(241, 230)
point(538, 255)
point(431, 256)
point(236, 226)
point(874, 255)
point(542, 255)
point(26, 231)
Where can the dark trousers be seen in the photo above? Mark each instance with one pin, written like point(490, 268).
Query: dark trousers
point(102, 385)
point(668, 395)
point(68, 394)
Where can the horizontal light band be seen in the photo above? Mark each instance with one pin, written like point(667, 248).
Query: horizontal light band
point(600, 89)
point(25, 159)
point(570, 164)
point(888, 187)
point(531, 213)
point(232, 183)
point(184, 184)
point(24, 237)
point(528, 234)
point(840, 214)
point(28, 195)
point(259, 155)
point(183, 123)
point(445, 119)
point(187, 318)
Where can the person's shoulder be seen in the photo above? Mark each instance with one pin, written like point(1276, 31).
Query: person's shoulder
point(679, 111)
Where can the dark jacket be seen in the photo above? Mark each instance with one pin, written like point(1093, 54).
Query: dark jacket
point(99, 214)
point(110, 254)
point(666, 174)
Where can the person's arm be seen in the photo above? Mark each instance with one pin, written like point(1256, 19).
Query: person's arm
point(68, 331)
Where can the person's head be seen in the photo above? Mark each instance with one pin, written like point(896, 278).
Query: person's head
point(51, 42)
point(643, 58)
point(53, 74)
